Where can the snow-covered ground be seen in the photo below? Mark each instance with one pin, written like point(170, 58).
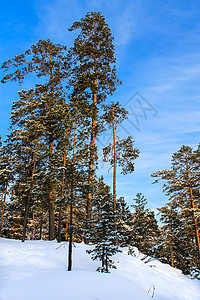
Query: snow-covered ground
point(37, 270)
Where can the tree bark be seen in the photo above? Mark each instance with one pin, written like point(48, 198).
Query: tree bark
point(27, 207)
point(51, 217)
point(51, 200)
point(67, 223)
point(3, 208)
point(62, 195)
point(92, 144)
point(195, 224)
point(92, 147)
point(33, 235)
point(70, 224)
point(41, 225)
point(115, 162)
point(172, 257)
point(71, 208)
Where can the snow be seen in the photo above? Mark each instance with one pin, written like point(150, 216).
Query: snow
point(37, 270)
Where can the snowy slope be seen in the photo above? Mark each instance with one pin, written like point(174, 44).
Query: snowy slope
point(36, 270)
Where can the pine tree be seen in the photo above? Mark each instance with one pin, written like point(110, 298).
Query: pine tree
point(6, 177)
point(182, 185)
point(145, 228)
point(124, 223)
point(93, 75)
point(121, 153)
point(173, 248)
point(49, 61)
point(113, 115)
point(103, 234)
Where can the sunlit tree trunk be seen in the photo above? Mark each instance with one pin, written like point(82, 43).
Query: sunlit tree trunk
point(92, 148)
point(115, 162)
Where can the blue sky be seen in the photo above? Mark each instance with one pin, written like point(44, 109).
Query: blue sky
point(158, 55)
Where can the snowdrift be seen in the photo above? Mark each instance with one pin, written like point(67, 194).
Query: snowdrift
point(37, 270)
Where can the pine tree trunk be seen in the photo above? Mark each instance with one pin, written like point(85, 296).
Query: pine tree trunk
point(172, 257)
point(51, 217)
point(41, 225)
point(70, 225)
point(171, 247)
point(103, 257)
point(51, 200)
point(67, 223)
point(27, 207)
point(33, 235)
point(26, 213)
point(71, 208)
point(59, 223)
point(62, 195)
point(139, 246)
point(3, 208)
point(92, 145)
point(106, 261)
point(115, 163)
point(195, 224)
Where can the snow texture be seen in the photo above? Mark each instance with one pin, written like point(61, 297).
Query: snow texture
point(38, 270)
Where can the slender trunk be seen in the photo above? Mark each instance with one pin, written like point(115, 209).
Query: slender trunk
point(3, 208)
point(103, 256)
point(115, 163)
point(195, 224)
point(51, 217)
point(59, 223)
point(171, 246)
point(92, 145)
point(106, 261)
point(139, 248)
point(29, 197)
point(26, 213)
point(33, 235)
point(172, 257)
point(92, 148)
point(194, 219)
point(71, 208)
point(51, 200)
point(67, 223)
point(62, 195)
point(70, 225)
point(41, 225)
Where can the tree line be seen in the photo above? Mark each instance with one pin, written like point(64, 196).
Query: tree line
point(48, 182)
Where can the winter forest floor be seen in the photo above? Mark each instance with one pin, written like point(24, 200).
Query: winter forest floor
point(37, 270)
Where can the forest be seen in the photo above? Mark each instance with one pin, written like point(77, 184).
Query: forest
point(49, 188)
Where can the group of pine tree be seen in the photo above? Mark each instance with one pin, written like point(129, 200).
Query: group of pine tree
point(48, 183)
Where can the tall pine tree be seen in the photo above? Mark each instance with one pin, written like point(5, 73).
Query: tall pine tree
point(93, 75)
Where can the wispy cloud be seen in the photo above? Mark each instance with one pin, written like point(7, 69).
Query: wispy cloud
point(57, 16)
